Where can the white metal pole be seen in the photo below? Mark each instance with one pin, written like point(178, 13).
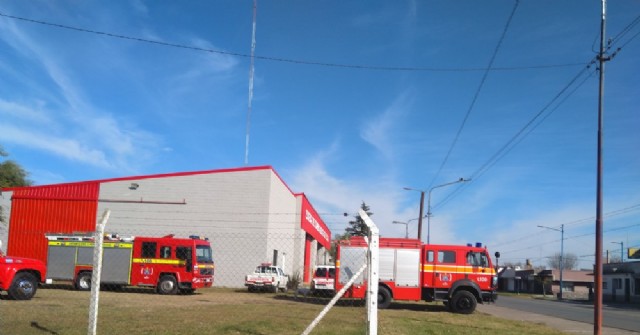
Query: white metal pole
point(96, 273)
point(374, 273)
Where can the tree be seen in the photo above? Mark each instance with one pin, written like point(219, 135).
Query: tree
point(569, 261)
point(358, 227)
point(11, 175)
point(615, 259)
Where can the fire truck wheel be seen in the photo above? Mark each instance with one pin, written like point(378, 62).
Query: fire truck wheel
point(23, 287)
point(83, 281)
point(167, 285)
point(463, 302)
point(384, 298)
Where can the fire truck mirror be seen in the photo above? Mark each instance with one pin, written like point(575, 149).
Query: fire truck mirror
point(497, 254)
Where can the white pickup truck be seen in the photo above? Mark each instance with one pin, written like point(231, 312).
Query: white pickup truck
point(267, 277)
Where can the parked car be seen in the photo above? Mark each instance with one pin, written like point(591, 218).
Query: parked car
point(267, 277)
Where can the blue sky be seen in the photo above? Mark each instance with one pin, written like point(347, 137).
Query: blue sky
point(352, 101)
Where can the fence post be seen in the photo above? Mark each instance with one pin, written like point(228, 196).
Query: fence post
point(96, 273)
point(374, 274)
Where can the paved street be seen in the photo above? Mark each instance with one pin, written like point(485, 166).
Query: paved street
point(567, 316)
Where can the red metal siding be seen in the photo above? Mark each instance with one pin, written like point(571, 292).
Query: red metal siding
point(38, 210)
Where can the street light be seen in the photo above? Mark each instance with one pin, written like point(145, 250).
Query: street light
point(621, 251)
point(406, 227)
point(461, 180)
point(561, 230)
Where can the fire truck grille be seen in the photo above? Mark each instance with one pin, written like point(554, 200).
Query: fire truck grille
point(206, 272)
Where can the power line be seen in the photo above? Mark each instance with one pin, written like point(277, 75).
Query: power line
point(608, 214)
point(476, 94)
point(519, 137)
point(573, 237)
point(288, 60)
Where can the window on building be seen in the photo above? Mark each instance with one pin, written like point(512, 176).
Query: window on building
point(617, 283)
point(605, 285)
point(568, 287)
point(447, 256)
point(149, 249)
point(636, 291)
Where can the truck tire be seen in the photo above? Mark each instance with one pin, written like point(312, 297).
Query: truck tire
point(463, 302)
point(23, 287)
point(384, 298)
point(83, 281)
point(167, 285)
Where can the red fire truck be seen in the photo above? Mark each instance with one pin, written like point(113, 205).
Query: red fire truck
point(460, 276)
point(20, 276)
point(166, 263)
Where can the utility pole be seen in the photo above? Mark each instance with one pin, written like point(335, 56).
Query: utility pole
point(597, 307)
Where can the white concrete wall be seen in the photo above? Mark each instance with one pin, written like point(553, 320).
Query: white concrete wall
point(5, 203)
point(245, 214)
point(283, 225)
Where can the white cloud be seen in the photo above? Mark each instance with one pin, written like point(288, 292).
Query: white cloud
point(379, 129)
point(64, 147)
point(16, 111)
point(334, 195)
point(91, 136)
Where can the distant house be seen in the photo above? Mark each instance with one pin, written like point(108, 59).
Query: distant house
point(621, 282)
point(576, 284)
point(516, 280)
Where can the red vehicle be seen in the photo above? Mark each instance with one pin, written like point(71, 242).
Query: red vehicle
point(166, 263)
point(323, 281)
point(460, 276)
point(19, 276)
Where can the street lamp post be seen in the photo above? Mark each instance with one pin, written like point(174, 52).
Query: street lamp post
point(561, 230)
point(621, 251)
point(406, 227)
point(461, 180)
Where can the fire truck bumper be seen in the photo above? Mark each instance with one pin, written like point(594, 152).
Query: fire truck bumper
point(202, 282)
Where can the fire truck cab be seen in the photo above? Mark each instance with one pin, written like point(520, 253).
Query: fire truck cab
point(166, 263)
point(460, 276)
point(19, 276)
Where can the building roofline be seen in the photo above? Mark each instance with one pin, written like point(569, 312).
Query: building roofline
point(159, 175)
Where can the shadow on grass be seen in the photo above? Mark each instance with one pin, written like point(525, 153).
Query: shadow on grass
point(111, 288)
point(304, 296)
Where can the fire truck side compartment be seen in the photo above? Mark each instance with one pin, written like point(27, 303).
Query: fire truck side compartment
point(407, 267)
point(61, 262)
point(64, 257)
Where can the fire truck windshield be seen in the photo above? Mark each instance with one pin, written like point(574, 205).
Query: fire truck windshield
point(203, 253)
point(477, 259)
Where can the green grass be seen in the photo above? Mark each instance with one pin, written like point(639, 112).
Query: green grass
point(227, 311)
